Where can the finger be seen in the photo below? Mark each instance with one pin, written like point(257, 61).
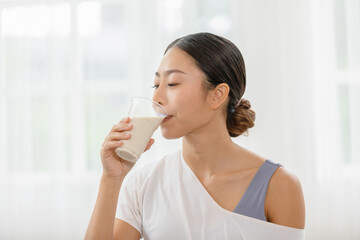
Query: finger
point(121, 127)
point(116, 136)
point(125, 120)
point(110, 145)
point(150, 143)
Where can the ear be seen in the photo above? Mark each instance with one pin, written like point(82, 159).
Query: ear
point(219, 95)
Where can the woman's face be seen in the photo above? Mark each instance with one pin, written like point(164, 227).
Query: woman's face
point(178, 87)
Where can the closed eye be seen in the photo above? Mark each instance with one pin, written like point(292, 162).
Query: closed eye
point(170, 85)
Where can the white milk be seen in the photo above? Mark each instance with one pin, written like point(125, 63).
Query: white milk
point(143, 129)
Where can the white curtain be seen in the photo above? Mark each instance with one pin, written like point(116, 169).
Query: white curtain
point(69, 68)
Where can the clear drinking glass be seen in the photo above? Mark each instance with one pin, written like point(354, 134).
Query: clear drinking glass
point(145, 116)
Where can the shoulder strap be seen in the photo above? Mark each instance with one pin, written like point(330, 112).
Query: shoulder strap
point(253, 200)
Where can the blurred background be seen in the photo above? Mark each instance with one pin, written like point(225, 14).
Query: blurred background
point(69, 68)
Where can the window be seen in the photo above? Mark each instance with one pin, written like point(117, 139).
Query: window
point(347, 22)
point(72, 66)
point(337, 74)
point(66, 71)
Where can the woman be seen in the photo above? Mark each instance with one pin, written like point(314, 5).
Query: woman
point(195, 192)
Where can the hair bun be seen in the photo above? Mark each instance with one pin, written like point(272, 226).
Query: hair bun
point(242, 119)
point(244, 104)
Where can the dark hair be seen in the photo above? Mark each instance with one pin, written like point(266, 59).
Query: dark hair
point(221, 62)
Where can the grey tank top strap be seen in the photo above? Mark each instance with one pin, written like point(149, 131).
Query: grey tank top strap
point(253, 200)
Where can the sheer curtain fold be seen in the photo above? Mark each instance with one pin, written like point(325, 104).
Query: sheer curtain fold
point(333, 204)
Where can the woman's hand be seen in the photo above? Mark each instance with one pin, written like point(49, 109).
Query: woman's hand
point(113, 165)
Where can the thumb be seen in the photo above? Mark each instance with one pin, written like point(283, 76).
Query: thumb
point(151, 141)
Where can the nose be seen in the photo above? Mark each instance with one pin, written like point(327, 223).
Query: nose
point(159, 96)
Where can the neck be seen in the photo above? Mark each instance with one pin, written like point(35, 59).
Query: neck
point(209, 150)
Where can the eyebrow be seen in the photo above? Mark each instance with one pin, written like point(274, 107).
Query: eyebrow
point(170, 71)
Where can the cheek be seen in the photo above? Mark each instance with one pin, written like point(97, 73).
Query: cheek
point(191, 113)
point(188, 103)
point(191, 107)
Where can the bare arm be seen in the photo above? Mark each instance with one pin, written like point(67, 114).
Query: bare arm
point(103, 224)
point(284, 203)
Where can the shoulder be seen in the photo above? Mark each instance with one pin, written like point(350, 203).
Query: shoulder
point(284, 203)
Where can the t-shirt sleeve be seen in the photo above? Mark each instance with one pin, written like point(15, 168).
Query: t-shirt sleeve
point(129, 208)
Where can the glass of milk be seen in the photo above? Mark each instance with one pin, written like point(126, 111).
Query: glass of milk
point(145, 116)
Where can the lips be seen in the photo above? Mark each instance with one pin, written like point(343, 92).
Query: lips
point(167, 118)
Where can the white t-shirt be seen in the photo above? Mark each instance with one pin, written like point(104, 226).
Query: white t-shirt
point(165, 200)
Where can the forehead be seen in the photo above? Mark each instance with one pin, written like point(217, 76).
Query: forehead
point(177, 58)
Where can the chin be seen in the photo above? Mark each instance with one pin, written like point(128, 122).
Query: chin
point(170, 134)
